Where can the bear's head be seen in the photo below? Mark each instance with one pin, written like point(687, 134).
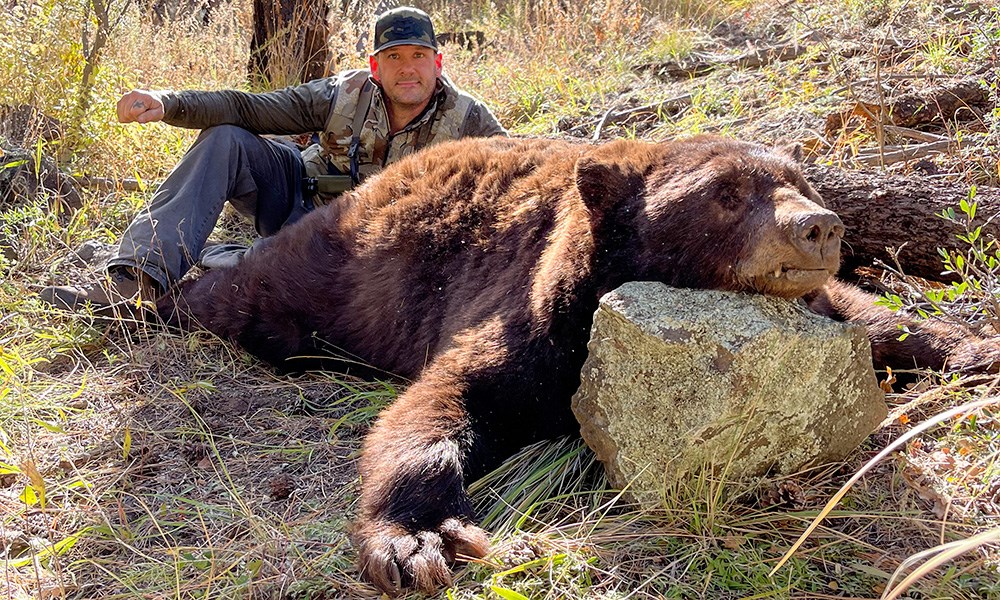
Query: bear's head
point(710, 212)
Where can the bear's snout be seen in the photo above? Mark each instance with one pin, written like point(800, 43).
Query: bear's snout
point(818, 234)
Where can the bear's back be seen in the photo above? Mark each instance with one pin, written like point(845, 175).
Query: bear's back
point(447, 239)
point(461, 186)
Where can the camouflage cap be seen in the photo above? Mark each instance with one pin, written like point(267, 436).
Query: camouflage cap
point(404, 26)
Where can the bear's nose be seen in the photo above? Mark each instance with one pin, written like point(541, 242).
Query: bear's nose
point(818, 232)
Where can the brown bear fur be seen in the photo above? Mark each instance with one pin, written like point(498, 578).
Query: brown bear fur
point(474, 268)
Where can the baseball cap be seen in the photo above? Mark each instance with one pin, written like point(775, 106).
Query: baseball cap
point(404, 26)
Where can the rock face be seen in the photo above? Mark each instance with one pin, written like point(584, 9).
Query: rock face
point(679, 380)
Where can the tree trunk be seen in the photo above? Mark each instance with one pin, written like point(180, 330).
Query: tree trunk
point(891, 211)
point(289, 43)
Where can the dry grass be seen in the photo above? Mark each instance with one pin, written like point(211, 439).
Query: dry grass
point(146, 464)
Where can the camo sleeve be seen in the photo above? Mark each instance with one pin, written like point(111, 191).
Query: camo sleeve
point(297, 109)
point(480, 122)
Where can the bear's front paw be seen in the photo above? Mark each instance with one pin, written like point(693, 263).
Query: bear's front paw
point(393, 558)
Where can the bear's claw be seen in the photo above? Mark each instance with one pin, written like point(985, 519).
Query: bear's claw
point(393, 558)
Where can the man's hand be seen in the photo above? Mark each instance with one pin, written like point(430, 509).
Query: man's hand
point(140, 106)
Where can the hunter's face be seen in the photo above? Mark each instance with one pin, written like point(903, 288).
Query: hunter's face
point(408, 74)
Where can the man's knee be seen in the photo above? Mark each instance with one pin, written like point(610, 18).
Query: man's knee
point(226, 136)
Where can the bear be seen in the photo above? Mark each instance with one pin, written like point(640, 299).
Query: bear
point(474, 269)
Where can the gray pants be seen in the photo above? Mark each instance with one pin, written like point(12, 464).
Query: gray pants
point(260, 177)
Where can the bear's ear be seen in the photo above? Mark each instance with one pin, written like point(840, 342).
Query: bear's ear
point(602, 183)
point(792, 150)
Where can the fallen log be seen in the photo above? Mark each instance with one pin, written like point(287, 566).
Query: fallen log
point(106, 184)
point(940, 103)
point(936, 105)
point(25, 176)
point(887, 212)
point(23, 125)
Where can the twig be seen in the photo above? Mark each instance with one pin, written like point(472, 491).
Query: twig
point(913, 134)
point(106, 184)
point(891, 77)
point(894, 154)
point(671, 106)
point(750, 60)
point(881, 117)
point(723, 125)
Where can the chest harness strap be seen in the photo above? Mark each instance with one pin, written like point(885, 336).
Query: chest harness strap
point(360, 115)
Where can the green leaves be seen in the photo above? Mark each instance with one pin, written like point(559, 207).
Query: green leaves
point(126, 443)
point(29, 496)
point(35, 493)
point(13, 164)
point(891, 301)
point(969, 206)
point(507, 594)
point(973, 295)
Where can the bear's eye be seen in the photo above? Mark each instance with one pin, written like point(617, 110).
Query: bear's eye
point(730, 197)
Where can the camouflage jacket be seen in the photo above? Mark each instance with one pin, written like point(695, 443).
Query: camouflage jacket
point(328, 106)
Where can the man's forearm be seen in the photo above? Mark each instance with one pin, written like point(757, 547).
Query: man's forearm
point(299, 109)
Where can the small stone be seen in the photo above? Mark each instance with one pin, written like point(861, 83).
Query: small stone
point(79, 404)
point(93, 253)
point(281, 486)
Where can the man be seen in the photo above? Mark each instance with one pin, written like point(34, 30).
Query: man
point(366, 119)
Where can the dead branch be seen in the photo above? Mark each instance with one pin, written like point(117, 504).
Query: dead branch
point(670, 106)
point(913, 134)
point(936, 105)
point(752, 59)
point(106, 184)
point(893, 154)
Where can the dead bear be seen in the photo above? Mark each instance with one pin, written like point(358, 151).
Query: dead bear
point(474, 268)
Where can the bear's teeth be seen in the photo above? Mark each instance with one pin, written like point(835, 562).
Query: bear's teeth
point(777, 272)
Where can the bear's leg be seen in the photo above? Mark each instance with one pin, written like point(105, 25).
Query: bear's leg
point(473, 406)
point(932, 344)
point(415, 517)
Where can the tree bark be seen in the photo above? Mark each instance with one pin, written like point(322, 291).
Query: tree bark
point(941, 103)
point(289, 43)
point(890, 211)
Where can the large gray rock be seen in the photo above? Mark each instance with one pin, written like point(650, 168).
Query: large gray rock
point(679, 380)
